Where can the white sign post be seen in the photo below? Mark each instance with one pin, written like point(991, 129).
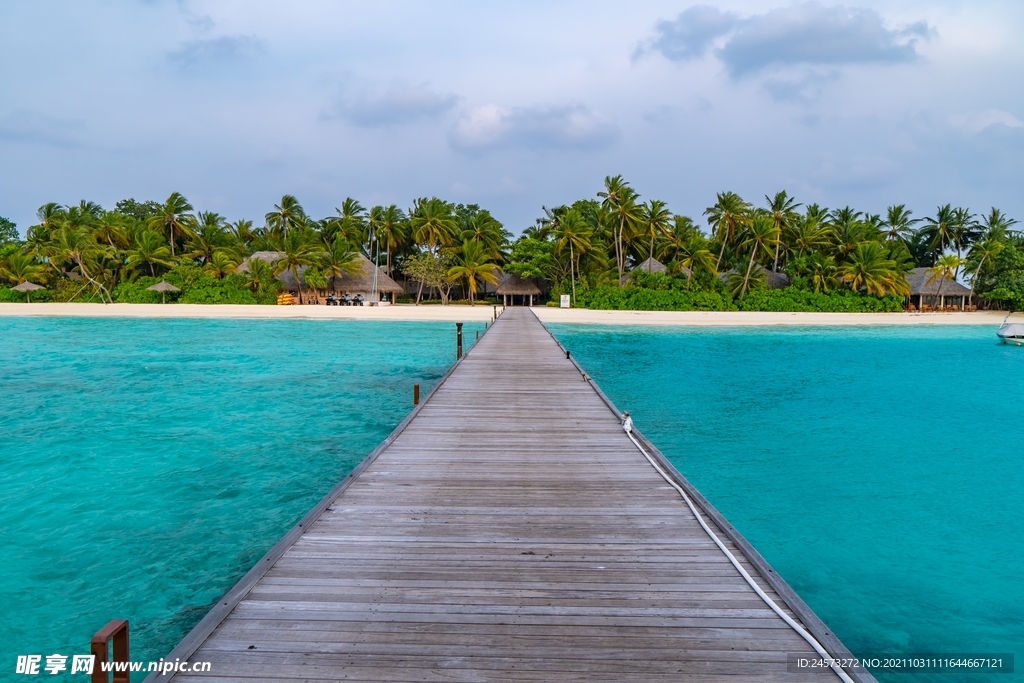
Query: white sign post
point(564, 301)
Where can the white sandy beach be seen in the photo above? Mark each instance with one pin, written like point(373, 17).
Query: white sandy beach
point(750, 318)
point(482, 313)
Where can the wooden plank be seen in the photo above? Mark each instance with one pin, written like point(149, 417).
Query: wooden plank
point(507, 530)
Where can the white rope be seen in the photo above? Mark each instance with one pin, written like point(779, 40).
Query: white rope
point(627, 426)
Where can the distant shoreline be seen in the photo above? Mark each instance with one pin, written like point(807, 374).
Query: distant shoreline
point(762, 318)
point(482, 313)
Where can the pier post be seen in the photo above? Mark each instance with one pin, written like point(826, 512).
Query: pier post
point(458, 342)
point(116, 630)
point(415, 394)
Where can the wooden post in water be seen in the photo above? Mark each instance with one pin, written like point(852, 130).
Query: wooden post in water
point(458, 340)
point(116, 630)
point(415, 394)
point(478, 335)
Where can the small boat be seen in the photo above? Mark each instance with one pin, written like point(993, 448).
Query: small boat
point(1011, 333)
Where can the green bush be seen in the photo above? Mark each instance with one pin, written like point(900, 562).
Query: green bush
point(9, 296)
point(196, 287)
point(136, 293)
point(840, 301)
point(614, 298)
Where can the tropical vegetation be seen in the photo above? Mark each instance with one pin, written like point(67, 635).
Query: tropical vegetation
point(775, 254)
point(778, 255)
point(83, 252)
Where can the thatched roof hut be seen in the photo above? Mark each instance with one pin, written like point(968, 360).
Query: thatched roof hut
point(772, 280)
point(935, 292)
point(652, 265)
point(361, 282)
point(918, 278)
point(513, 285)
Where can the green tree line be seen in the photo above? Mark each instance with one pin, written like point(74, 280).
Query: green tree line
point(831, 259)
point(85, 252)
point(848, 259)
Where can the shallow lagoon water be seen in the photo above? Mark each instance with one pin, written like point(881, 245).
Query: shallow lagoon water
point(145, 465)
point(879, 470)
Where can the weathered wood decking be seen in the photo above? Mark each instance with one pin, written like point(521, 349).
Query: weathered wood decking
point(510, 531)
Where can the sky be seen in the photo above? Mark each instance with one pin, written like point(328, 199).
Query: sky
point(510, 105)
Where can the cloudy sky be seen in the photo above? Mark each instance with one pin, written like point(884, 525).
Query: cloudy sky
point(512, 105)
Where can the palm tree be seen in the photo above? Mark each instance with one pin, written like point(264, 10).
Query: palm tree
point(79, 247)
point(965, 230)
point(811, 232)
point(112, 227)
point(784, 213)
point(696, 257)
point(573, 232)
point(340, 259)
point(175, 217)
point(727, 217)
point(49, 215)
point(351, 223)
point(242, 232)
point(944, 270)
point(619, 199)
point(221, 264)
point(20, 268)
point(286, 216)
point(484, 228)
point(997, 224)
point(849, 230)
point(759, 238)
point(432, 222)
point(822, 271)
point(299, 248)
point(939, 230)
point(258, 274)
point(149, 249)
point(210, 234)
point(899, 224)
point(656, 221)
point(389, 223)
point(672, 244)
point(983, 253)
point(472, 262)
point(868, 268)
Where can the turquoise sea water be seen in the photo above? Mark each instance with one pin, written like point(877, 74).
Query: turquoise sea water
point(145, 465)
point(879, 470)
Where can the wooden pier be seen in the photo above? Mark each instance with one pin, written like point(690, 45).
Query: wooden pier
point(507, 530)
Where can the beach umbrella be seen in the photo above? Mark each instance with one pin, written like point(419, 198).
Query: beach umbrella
point(27, 287)
point(163, 288)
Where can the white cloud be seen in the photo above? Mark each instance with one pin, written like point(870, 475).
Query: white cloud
point(808, 33)
point(975, 123)
point(690, 34)
point(397, 105)
point(551, 127)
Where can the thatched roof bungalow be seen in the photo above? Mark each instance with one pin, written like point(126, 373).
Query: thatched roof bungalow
point(652, 265)
point(929, 290)
point(513, 285)
point(360, 283)
point(772, 280)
